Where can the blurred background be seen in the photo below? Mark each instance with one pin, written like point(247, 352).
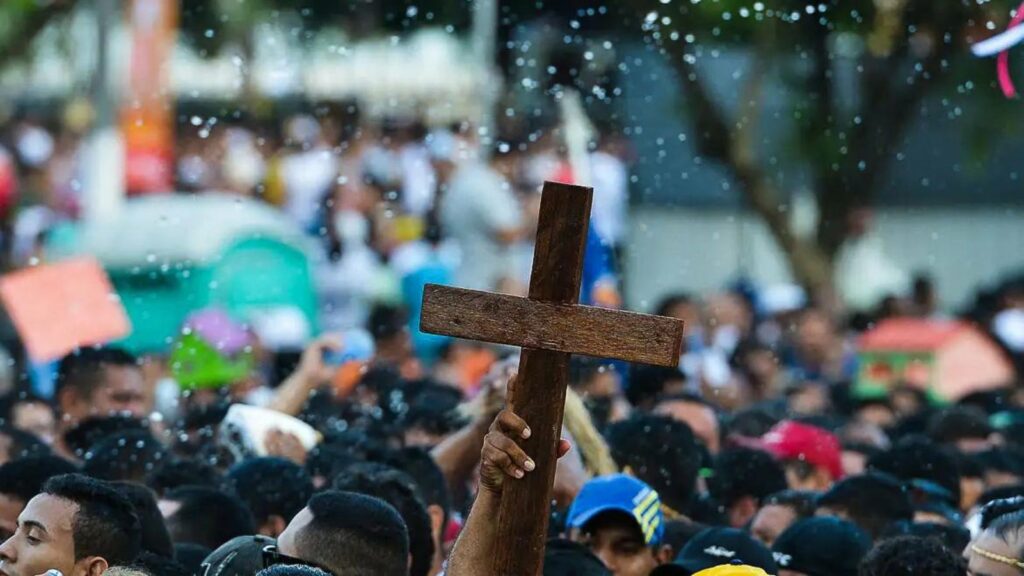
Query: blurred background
point(289, 162)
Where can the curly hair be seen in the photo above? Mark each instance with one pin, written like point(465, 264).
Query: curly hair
point(912, 556)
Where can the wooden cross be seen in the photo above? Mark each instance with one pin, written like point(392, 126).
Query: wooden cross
point(549, 326)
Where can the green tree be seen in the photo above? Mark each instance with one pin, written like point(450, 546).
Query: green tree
point(906, 51)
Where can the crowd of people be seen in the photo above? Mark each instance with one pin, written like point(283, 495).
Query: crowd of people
point(757, 456)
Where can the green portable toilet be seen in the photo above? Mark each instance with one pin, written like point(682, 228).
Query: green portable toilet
point(168, 255)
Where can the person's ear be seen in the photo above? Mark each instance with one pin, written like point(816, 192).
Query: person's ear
point(91, 566)
point(663, 554)
point(436, 522)
point(66, 399)
point(273, 526)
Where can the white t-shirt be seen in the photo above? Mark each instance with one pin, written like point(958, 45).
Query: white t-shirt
point(307, 177)
point(478, 204)
point(611, 195)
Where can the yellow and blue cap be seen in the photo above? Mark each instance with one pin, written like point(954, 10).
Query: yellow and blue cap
point(619, 493)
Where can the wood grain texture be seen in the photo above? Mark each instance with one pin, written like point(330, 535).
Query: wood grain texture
point(549, 326)
point(515, 321)
point(543, 375)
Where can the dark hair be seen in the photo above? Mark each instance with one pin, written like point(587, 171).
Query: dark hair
point(801, 502)
point(292, 570)
point(1005, 460)
point(432, 408)
point(872, 501)
point(679, 532)
point(91, 430)
point(430, 481)
point(661, 452)
point(23, 444)
point(953, 536)
point(155, 537)
point(667, 303)
point(105, 523)
point(171, 473)
point(83, 368)
point(647, 383)
point(397, 489)
point(191, 556)
point(917, 458)
point(129, 456)
point(995, 509)
point(354, 535)
point(959, 423)
point(386, 321)
point(969, 466)
point(741, 472)
point(583, 368)
point(1008, 526)
point(911, 556)
point(751, 422)
point(328, 459)
point(192, 522)
point(271, 487)
point(160, 565)
point(24, 478)
point(567, 558)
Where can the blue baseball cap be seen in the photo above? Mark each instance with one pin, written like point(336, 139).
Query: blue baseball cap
point(619, 493)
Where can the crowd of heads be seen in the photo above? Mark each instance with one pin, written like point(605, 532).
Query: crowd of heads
point(758, 455)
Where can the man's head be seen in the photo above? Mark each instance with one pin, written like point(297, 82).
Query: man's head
point(15, 444)
point(965, 428)
point(349, 534)
point(660, 452)
point(649, 383)
point(399, 490)
point(741, 479)
point(173, 473)
point(430, 485)
point(130, 456)
point(568, 558)
point(187, 514)
point(32, 414)
point(917, 458)
point(99, 382)
point(912, 556)
point(812, 456)
point(999, 549)
point(716, 547)
point(872, 501)
point(696, 414)
point(20, 481)
point(274, 489)
point(389, 327)
point(779, 511)
point(619, 519)
point(820, 547)
point(77, 525)
point(155, 537)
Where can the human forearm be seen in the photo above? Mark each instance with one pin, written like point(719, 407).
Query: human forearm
point(474, 549)
point(458, 455)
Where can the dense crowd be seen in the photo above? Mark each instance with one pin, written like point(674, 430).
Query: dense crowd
point(757, 456)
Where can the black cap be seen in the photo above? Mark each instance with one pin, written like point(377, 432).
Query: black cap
point(240, 556)
point(823, 546)
point(715, 547)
